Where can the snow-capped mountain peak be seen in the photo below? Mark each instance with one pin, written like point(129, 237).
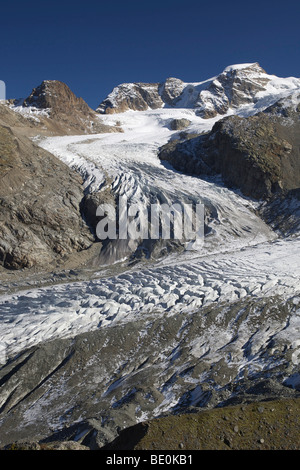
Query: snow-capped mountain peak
point(239, 85)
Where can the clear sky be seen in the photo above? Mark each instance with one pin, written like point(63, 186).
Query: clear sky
point(93, 46)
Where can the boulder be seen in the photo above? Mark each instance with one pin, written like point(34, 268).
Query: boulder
point(179, 124)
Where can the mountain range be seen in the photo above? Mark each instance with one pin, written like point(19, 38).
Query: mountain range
point(97, 336)
point(234, 89)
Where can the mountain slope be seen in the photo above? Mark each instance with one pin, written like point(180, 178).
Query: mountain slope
point(40, 218)
point(270, 425)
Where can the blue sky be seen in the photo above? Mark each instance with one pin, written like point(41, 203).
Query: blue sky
point(95, 45)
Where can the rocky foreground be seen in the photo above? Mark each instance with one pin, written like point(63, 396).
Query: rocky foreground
point(268, 425)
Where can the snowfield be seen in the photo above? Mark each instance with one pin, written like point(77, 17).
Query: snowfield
point(241, 255)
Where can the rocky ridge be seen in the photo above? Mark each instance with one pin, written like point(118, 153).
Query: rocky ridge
point(55, 110)
point(237, 86)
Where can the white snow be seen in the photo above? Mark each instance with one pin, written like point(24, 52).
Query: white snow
point(31, 111)
point(230, 68)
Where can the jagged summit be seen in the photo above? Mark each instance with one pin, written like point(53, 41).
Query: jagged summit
point(237, 86)
point(242, 89)
point(55, 106)
point(57, 97)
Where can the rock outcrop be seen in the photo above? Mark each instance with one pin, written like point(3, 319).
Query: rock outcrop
point(59, 445)
point(272, 425)
point(234, 87)
point(282, 212)
point(258, 155)
point(171, 90)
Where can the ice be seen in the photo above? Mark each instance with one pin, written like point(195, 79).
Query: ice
point(31, 111)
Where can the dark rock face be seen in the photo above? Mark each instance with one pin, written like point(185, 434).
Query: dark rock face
point(287, 108)
point(258, 155)
point(40, 220)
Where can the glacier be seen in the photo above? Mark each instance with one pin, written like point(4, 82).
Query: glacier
point(241, 256)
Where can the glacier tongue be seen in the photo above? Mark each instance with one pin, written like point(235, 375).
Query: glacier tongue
point(130, 161)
